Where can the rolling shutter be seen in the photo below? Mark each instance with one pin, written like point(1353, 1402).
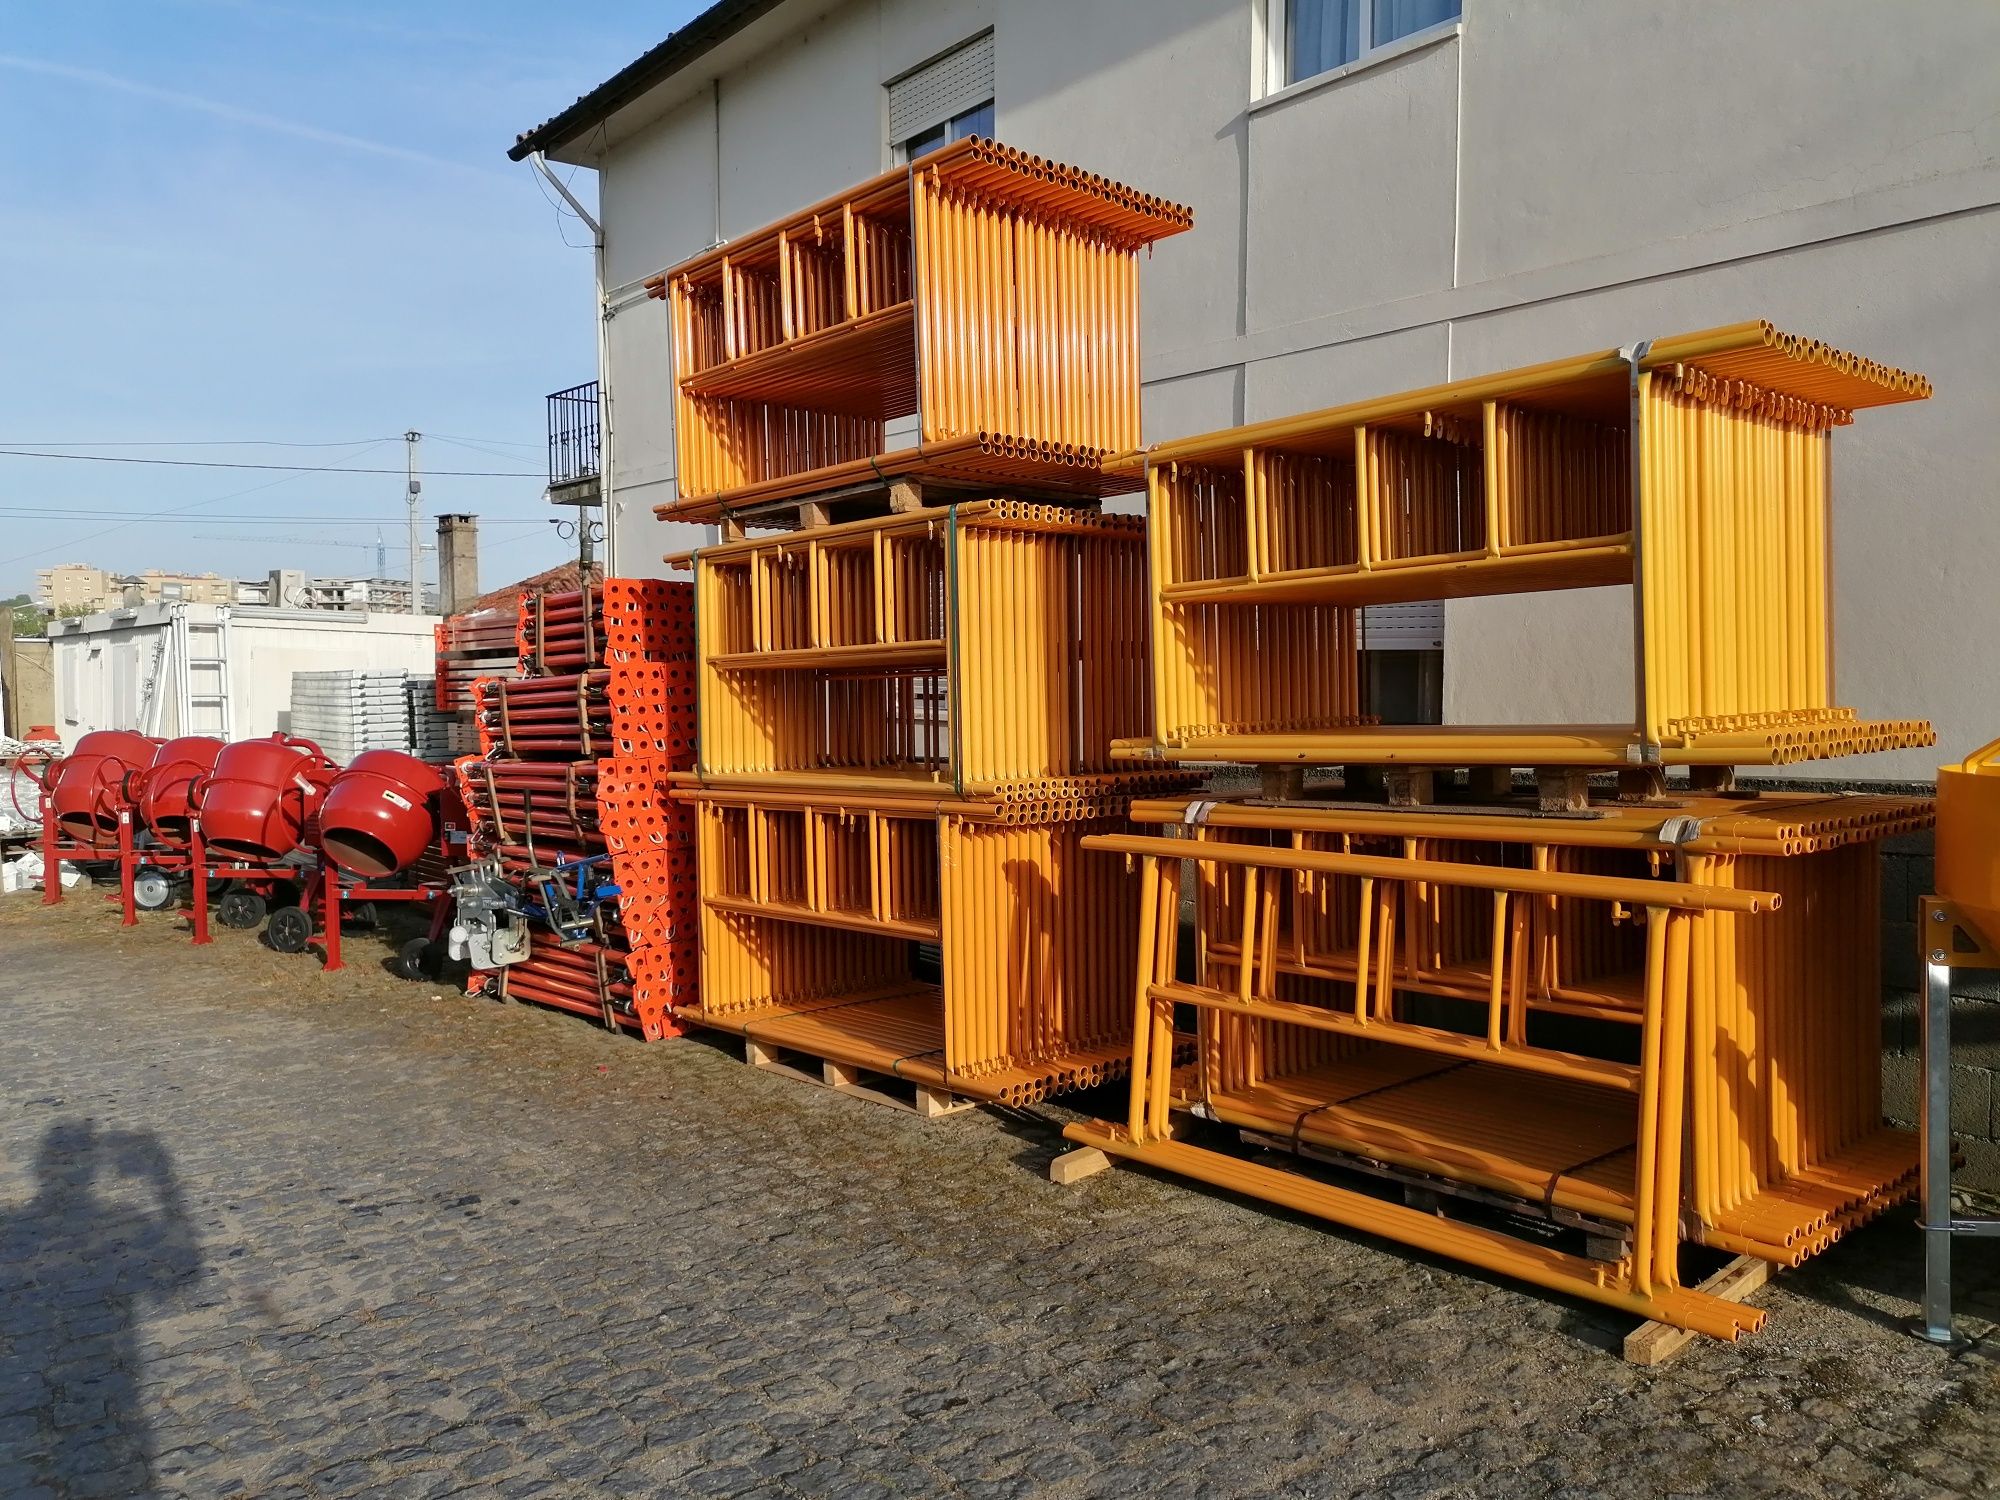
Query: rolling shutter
point(954, 83)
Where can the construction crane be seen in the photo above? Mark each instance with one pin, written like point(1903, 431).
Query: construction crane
point(381, 548)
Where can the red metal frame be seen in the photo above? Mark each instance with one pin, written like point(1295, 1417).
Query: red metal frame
point(332, 893)
point(261, 876)
point(447, 849)
point(55, 850)
point(168, 859)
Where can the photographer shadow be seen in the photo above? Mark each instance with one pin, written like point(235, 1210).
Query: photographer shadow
point(105, 1234)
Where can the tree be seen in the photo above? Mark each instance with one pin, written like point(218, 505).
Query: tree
point(31, 620)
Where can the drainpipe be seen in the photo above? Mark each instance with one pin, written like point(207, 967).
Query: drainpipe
point(604, 425)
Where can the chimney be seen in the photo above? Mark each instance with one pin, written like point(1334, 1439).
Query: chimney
point(458, 562)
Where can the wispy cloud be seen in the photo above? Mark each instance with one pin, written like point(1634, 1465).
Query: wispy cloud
point(270, 13)
point(250, 119)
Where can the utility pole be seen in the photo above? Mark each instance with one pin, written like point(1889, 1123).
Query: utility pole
point(416, 490)
point(381, 555)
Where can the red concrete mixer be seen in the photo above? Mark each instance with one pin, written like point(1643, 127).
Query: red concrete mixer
point(390, 830)
point(252, 811)
point(261, 794)
point(381, 813)
point(159, 794)
point(86, 802)
point(87, 788)
point(162, 787)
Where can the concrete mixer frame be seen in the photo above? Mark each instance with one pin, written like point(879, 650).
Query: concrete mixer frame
point(331, 893)
point(263, 876)
point(164, 859)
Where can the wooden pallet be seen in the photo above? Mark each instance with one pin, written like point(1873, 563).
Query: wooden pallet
point(907, 1094)
point(1656, 1343)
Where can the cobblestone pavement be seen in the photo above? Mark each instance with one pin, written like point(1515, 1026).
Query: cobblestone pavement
point(269, 1233)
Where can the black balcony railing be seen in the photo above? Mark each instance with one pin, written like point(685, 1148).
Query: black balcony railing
point(573, 434)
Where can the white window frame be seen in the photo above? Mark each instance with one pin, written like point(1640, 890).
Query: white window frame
point(1369, 51)
point(900, 150)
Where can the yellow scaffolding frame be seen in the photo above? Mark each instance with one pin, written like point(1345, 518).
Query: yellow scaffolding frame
point(993, 648)
point(1370, 983)
point(991, 294)
point(811, 907)
point(1269, 539)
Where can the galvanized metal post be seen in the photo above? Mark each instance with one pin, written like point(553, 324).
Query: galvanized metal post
point(1934, 1115)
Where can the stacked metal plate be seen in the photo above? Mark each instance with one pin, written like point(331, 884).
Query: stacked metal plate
point(345, 713)
point(436, 736)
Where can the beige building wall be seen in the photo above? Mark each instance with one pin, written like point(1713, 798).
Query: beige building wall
point(1544, 178)
point(194, 588)
point(77, 586)
point(72, 586)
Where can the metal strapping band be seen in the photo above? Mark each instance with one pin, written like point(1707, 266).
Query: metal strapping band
point(493, 800)
point(1380, 1088)
point(1549, 1190)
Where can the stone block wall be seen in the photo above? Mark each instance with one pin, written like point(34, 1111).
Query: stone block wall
point(1908, 875)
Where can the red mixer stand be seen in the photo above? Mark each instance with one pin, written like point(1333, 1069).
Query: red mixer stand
point(164, 858)
point(263, 876)
point(332, 893)
point(55, 851)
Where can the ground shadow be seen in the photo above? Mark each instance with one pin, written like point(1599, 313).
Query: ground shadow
point(105, 1240)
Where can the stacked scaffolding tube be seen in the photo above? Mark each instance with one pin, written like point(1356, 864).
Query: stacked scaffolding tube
point(988, 293)
point(1386, 1013)
point(905, 731)
point(575, 764)
point(1280, 532)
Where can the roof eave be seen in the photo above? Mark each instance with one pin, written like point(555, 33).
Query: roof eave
point(630, 83)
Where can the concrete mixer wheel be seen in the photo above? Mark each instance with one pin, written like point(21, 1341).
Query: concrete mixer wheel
point(152, 890)
point(240, 909)
point(290, 929)
point(417, 959)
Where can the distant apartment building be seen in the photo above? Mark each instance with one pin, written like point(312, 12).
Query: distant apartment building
point(294, 588)
point(73, 587)
point(77, 588)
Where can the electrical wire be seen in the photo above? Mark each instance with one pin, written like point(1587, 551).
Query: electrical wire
point(563, 211)
point(449, 437)
point(53, 513)
point(200, 463)
point(67, 443)
point(474, 447)
point(268, 484)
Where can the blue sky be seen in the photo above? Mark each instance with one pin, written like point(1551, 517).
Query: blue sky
point(290, 223)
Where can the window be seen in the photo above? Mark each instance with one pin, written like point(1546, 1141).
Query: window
point(975, 121)
point(946, 99)
point(1313, 36)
